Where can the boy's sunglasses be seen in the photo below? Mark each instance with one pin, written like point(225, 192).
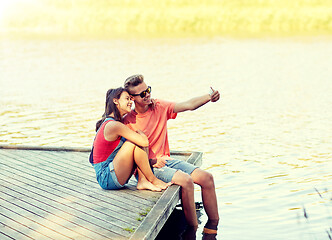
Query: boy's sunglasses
point(143, 94)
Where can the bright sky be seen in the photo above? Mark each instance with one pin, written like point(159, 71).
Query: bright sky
point(5, 6)
point(8, 6)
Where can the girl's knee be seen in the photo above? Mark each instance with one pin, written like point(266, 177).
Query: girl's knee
point(128, 144)
point(133, 147)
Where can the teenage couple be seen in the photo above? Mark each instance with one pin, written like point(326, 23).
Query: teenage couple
point(128, 140)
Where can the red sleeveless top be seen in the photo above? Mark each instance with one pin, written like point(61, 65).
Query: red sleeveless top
point(102, 148)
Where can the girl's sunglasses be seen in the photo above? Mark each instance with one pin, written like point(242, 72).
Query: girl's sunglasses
point(143, 94)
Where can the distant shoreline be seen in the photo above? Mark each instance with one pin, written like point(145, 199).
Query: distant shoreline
point(176, 19)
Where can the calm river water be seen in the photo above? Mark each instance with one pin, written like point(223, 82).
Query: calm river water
point(267, 141)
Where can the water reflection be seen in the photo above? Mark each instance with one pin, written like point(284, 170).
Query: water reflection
point(267, 142)
point(176, 228)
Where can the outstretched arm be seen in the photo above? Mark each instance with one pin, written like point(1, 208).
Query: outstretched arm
point(196, 102)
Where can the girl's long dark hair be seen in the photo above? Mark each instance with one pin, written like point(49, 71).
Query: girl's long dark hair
point(110, 106)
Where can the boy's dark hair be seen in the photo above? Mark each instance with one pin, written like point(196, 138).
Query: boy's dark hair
point(133, 81)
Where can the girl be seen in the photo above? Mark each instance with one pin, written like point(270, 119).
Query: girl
point(117, 151)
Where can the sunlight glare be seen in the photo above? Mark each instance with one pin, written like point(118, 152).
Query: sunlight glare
point(7, 7)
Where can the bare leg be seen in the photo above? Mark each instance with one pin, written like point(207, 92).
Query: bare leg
point(189, 233)
point(187, 193)
point(205, 180)
point(124, 161)
point(146, 169)
point(144, 184)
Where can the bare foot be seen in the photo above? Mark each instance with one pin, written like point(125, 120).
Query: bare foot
point(161, 184)
point(144, 184)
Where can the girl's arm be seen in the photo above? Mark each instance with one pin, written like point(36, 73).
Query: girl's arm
point(114, 129)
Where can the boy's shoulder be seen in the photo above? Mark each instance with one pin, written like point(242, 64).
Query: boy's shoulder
point(163, 103)
point(129, 116)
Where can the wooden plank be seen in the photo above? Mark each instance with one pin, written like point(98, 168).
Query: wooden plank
point(12, 229)
point(96, 227)
point(76, 185)
point(9, 232)
point(25, 217)
point(72, 198)
point(33, 172)
point(101, 210)
point(80, 177)
point(58, 186)
point(64, 166)
point(92, 180)
point(23, 199)
point(87, 174)
point(68, 207)
point(44, 148)
point(64, 228)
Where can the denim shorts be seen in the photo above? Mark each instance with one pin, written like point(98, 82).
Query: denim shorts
point(106, 176)
point(167, 172)
point(105, 171)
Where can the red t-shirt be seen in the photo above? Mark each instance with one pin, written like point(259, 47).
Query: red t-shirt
point(102, 148)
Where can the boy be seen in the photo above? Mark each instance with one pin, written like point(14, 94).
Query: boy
point(152, 120)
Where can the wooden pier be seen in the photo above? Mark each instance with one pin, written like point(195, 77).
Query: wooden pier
point(52, 193)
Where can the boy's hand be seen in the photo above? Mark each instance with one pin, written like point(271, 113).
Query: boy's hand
point(214, 95)
point(140, 132)
point(161, 161)
point(153, 103)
